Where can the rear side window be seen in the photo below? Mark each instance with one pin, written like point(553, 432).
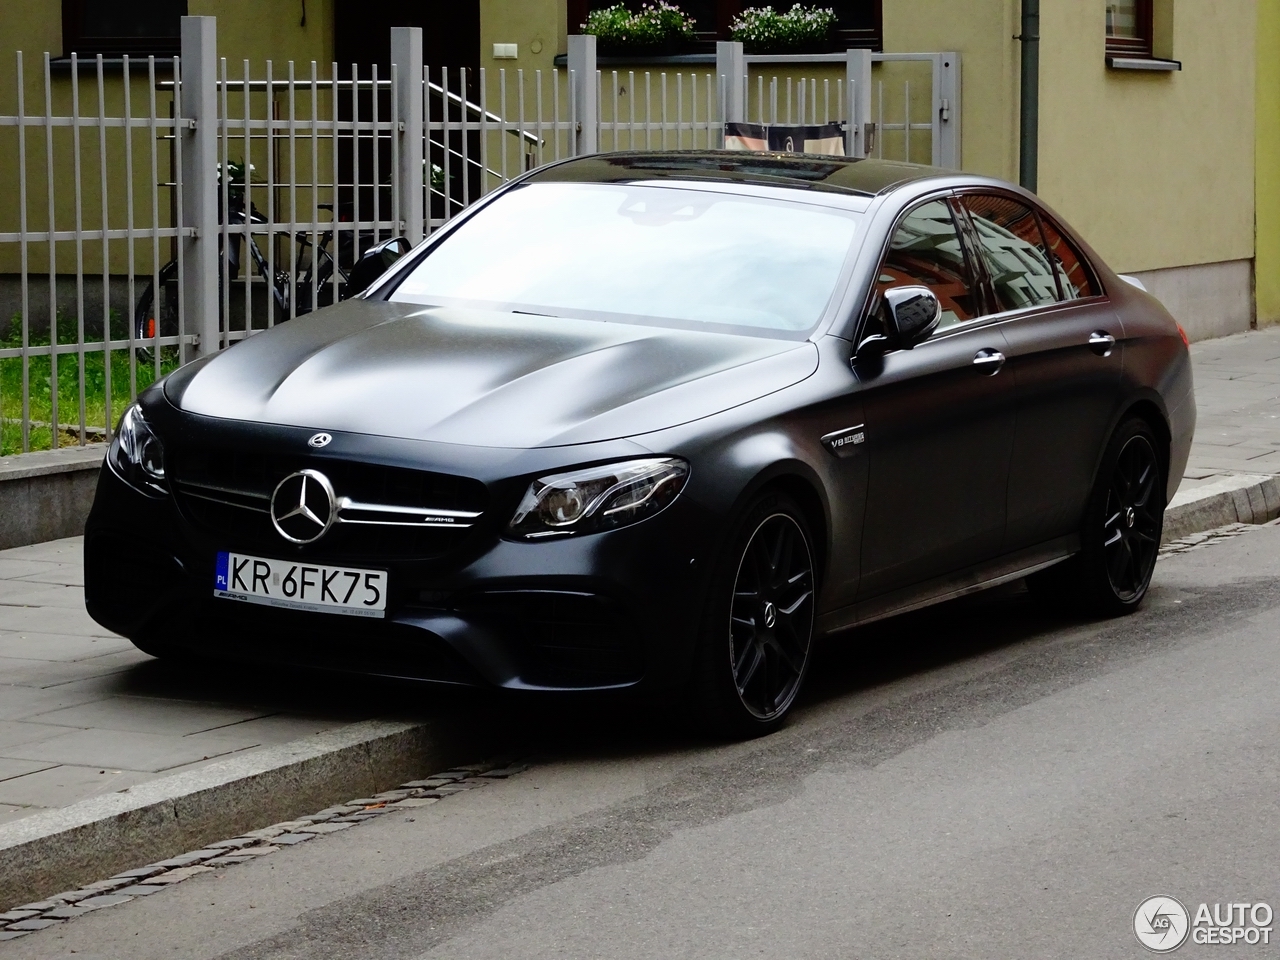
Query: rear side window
point(1074, 276)
point(926, 250)
point(1014, 251)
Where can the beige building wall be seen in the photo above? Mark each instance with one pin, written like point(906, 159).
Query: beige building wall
point(982, 32)
point(1154, 168)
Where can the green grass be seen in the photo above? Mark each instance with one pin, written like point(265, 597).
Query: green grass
point(95, 386)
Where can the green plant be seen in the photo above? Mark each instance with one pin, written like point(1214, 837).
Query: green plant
point(40, 381)
point(656, 28)
point(236, 182)
point(765, 30)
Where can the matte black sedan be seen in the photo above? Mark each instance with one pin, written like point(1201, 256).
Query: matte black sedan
point(658, 420)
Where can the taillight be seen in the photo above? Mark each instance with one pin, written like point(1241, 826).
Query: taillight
point(1183, 334)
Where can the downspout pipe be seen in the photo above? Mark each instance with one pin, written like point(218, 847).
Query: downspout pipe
point(1029, 100)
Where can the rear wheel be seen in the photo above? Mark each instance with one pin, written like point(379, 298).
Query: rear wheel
point(758, 631)
point(1121, 535)
point(157, 315)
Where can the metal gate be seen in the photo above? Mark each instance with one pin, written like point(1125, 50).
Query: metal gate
point(237, 196)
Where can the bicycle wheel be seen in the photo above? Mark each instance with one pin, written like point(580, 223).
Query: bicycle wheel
point(152, 320)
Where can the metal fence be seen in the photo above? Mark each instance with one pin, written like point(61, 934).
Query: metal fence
point(166, 211)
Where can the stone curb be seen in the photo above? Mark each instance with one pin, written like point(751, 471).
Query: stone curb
point(1240, 498)
point(61, 849)
point(44, 463)
point(47, 495)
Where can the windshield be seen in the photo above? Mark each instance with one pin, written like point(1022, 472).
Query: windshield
point(643, 254)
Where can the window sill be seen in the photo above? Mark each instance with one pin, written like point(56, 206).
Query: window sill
point(88, 63)
point(1151, 64)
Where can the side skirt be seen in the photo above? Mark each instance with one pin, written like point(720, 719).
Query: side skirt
point(1011, 566)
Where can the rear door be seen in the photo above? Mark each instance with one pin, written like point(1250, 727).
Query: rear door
point(1064, 356)
point(938, 420)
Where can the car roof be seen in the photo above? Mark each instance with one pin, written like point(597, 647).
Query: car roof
point(847, 175)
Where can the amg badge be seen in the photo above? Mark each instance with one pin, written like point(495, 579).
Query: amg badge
point(844, 443)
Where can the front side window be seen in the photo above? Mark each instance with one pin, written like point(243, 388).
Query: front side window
point(926, 250)
point(1014, 252)
point(636, 253)
point(1129, 27)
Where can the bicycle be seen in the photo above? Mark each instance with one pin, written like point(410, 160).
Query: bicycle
point(311, 272)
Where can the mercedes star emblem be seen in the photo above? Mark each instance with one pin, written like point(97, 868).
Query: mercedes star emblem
point(320, 440)
point(303, 506)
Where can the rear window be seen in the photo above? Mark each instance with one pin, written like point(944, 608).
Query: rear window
point(643, 254)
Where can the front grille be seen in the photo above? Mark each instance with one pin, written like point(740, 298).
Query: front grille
point(228, 491)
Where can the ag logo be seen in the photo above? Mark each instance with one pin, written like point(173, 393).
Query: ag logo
point(1161, 924)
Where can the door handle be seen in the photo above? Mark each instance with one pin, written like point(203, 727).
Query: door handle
point(1101, 343)
point(988, 361)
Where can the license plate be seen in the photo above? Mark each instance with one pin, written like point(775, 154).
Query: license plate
point(301, 586)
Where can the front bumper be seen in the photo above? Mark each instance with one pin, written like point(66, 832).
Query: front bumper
point(601, 611)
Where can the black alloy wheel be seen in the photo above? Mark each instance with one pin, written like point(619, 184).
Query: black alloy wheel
point(1120, 538)
point(759, 633)
point(1132, 524)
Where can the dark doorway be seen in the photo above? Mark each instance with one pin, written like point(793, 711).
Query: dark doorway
point(450, 32)
point(362, 36)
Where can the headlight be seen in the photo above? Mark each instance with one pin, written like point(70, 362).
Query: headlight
point(598, 498)
point(136, 454)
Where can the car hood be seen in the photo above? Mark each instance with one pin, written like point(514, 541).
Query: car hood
point(484, 378)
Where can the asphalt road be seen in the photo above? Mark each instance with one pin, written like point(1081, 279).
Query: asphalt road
point(977, 781)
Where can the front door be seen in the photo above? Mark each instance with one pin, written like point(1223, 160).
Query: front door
point(938, 421)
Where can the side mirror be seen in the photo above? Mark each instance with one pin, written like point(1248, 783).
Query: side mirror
point(913, 313)
point(374, 262)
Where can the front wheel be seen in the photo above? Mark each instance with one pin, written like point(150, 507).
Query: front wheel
point(758, 630)
point(1122, 528)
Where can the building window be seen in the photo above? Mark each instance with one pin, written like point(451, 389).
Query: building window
point(859, 26)
point(1129, 30)
point(139, 28)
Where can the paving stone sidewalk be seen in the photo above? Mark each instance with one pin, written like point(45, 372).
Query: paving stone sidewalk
point(1238, 407)
point(83, 713)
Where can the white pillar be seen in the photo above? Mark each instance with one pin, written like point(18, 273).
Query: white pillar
point(582, 80)
point(857, 73)
point(198, 175)
point(731, 74)
point(406, 57)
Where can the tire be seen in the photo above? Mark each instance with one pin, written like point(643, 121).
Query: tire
point(148, 321)
point(1121, 534)
point(757, 633)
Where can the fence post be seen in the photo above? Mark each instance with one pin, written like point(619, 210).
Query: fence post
point(946, 95)
point(731, 74)
point(582, 74)
point(199, 175)
point(860, 138)
point(406, 57)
